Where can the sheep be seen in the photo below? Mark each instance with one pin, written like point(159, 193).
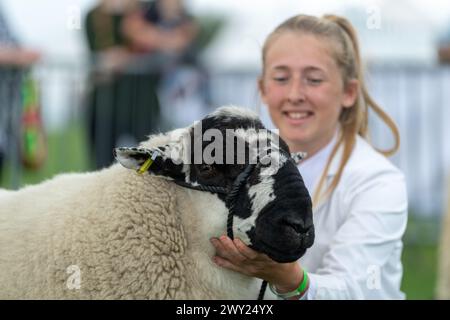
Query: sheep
point(116, 234)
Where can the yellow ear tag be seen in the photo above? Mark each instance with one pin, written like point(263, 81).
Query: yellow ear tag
point(146, 165)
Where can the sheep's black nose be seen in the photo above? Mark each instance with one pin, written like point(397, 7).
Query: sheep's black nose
point(304, 230)
point(308, 237)
point(295, 223)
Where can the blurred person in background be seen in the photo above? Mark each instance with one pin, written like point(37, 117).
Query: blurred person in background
point(444, 54)
point(162, 26)
point(111, 100)
point(14, 59)
point(444, 48)
point(171, 39)
point(133, 45)
point(313, 85)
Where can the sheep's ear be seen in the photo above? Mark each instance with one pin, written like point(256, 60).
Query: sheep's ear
point(134, 158)
point(166, 155)
point(298, 156)
point(154, 160)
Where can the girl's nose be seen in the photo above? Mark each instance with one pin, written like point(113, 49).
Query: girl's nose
point(296, 93)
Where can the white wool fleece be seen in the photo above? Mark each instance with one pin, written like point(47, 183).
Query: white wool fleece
point(130, 236)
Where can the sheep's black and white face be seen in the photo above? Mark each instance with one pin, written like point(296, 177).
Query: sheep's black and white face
point(273, 207)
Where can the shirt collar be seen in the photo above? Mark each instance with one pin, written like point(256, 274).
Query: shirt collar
point(312, 168)
point(324, 155)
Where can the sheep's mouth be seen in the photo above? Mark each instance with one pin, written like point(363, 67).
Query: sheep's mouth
point(285, 243)
point(280, 255)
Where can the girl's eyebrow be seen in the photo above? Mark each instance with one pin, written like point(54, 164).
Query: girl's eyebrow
point(306, 69)
point(281, 68)
point(313, 69)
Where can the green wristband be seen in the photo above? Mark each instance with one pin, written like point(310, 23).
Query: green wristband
point(296, 292)
point(304, 283)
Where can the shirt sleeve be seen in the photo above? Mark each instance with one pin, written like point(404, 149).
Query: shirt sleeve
point(363, 260)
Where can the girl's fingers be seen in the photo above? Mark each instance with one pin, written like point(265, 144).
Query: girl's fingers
point(217, 244)
point(232, 252)
point(226, 249)
point(245, 250)
point(236, 256)
point(226, 264)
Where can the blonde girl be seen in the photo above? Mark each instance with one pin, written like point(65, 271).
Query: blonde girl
point(313, 85)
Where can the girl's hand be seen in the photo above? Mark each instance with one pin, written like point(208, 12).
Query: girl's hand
point(235, 255)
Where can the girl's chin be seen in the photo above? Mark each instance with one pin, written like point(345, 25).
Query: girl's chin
point(295, 133)
point(295, 139)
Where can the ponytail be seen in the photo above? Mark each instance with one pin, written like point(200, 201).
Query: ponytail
point(367, 100)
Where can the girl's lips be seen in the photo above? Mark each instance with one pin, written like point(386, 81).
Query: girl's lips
point(298, 117)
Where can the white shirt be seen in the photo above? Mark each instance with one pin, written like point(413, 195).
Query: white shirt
point(311, 168)
point(358, 228)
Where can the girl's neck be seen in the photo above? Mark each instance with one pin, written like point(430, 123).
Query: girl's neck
point(312, 148)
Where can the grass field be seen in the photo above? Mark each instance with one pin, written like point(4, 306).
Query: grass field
point(419, 277)
point(68, 152)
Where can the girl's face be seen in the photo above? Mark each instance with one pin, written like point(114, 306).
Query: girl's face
point(303, 88)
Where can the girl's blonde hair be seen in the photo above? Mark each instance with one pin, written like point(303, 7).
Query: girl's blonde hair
point(345, 49)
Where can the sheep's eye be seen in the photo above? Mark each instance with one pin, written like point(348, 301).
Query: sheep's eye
point(237, 169)
point(206, 169)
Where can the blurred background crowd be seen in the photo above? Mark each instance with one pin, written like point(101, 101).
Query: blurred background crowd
point(78, 78)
